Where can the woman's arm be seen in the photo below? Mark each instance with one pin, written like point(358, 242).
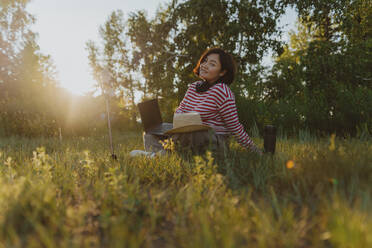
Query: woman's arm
point(229, 114)
point(182, 107)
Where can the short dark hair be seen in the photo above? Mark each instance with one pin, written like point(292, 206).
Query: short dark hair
point(227, 63)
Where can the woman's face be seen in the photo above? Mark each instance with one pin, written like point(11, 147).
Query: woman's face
point(210, 68)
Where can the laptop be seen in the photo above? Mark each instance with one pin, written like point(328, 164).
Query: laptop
point(151, 118)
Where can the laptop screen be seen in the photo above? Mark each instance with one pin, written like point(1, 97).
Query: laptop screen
point(150, 114)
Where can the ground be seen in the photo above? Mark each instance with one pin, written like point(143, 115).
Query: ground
point(314, 192)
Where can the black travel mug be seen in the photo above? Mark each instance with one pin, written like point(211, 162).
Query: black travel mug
point(269, 139)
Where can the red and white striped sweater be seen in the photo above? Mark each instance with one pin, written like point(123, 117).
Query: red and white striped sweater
point(217, 109)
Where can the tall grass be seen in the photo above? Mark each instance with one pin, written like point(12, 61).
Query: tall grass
point(312, 193)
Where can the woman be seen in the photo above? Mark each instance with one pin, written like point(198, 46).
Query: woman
point(214, 101)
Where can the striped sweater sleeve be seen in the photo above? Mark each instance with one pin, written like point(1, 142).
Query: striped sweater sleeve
point(182, 107)
point(229, 114)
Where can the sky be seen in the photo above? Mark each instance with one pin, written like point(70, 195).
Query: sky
point(64, 27)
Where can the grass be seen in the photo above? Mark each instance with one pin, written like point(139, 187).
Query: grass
point(312, 193)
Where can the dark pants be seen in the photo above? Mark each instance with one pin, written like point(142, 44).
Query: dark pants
point(196, 143)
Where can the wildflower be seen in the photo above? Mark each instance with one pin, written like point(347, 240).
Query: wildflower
point(290, 164)
point(9, 161)
point(167, 144)
point(332, 145)
point(325, 235)
point(333, 181)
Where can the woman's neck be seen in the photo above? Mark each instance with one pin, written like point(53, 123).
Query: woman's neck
point(211, 82)
point(204, 86)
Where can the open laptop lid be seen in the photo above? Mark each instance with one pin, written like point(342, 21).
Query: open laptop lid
point(150, 114)
point(151, 118)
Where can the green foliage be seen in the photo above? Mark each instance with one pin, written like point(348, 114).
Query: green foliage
point(164, 49)
point(322, 81)
point(31, 103)
point(114, 56)
point(25, 74)
point(313, 193)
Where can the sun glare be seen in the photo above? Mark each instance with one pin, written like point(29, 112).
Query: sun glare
point(78, 88)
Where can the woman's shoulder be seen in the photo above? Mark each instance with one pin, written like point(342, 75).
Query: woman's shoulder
point(223, 89)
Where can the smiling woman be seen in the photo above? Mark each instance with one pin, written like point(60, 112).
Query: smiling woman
point(210, 68)
point(214, 101)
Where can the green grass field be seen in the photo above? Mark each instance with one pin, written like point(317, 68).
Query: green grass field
point(311, 193)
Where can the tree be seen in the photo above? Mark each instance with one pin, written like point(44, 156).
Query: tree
point(115, 57)
point(322, 81)
point(325, 64)
point(14, 23)
point(28, 83)
point(164, 50)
